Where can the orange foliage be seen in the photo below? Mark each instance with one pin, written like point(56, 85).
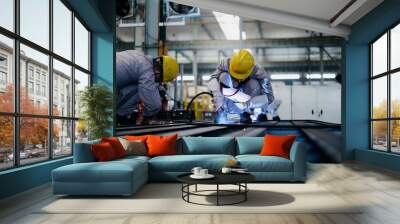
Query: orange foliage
point(33, 130)
point(380, 127)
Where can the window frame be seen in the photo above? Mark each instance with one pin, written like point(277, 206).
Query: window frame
point(388, 74)
point(15, 68)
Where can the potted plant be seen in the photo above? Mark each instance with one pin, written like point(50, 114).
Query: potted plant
point(96, 103)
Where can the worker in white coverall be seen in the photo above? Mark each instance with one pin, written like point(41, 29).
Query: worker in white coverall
point(138, 80)
point(240, 86)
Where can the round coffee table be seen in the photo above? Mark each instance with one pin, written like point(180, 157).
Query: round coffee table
point(238, 179)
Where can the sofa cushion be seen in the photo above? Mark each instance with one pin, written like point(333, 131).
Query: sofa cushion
point(136, 137)
point(249, 145)
point(112, 171)
point(208, 145)
point(185, 163)
point(161, 145)
point(134, 147)
point(103, 152)
point(277, 145)
point(83, 152)
point(133, 158)
point(257, 163)
point(116, 145)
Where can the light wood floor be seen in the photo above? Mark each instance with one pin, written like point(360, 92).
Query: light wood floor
point(377, 188)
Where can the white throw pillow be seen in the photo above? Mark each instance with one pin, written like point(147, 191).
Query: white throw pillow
point(136, 147)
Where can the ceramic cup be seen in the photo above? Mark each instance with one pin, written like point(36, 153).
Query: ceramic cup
point(226, 170)
point(203, 172)
point(196, 171)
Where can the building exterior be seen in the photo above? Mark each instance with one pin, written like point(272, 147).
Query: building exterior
point(34, 80)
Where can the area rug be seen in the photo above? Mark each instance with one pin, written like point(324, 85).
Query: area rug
point(166, 198)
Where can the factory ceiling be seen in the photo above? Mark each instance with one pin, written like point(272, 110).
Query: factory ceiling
point(331, 17)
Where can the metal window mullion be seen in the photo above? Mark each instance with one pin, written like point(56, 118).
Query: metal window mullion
point(389, 88)
point(371, 89)
point(89, 51)
point(73, 82)
point(16, 85)
point(41, 49)
point(17, 41)
point(50, 81)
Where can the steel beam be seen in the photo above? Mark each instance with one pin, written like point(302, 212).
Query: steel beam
point(185, 55)
point(195, 70)
point(211, 36)
point(326, 41)
point(259, 28)
point(279, 66)
point(152, 18)
point(321, 64)
point(246, 10)
point(347, 11)
point(330, 56)
point(208, 32)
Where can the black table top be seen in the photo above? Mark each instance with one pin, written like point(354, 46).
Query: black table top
point(220, 178)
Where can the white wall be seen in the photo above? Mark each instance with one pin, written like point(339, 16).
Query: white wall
point(314, 102)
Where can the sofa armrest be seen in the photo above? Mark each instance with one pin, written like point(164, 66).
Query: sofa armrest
point(83, 152)
point(298, 155)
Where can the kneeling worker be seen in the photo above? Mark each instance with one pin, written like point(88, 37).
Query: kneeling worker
point(138, 78)
point(239, 86)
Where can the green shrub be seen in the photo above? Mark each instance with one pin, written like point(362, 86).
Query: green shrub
point(96, 102)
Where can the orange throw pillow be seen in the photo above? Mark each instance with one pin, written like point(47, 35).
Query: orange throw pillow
point(277, 145)
point(136, 138)
point(161, 145)
point(142, 138)
point(103, 152)
point(116, 145)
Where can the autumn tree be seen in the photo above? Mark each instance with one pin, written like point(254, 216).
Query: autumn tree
point(6, 122)
point(380, 127)
point(33, 131)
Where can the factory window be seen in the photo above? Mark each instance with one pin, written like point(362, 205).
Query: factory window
point(63, 73)
point(46, 44)
point(81, 45)
point(385, 96)
point(34, 26)
point(7, 87)
point(62, 30)
point(7, 14)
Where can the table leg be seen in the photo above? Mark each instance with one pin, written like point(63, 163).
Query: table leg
point(182, 188)
point(217, 194)
point(195, 188)
point(188, 190)
point(245, 193)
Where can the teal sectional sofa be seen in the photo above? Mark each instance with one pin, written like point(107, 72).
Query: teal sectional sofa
point(125, 176)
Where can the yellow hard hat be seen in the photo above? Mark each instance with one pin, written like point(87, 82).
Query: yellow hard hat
point(241, 64)
point(170, 68)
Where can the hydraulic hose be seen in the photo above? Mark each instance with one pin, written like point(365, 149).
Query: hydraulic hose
point(189, 106)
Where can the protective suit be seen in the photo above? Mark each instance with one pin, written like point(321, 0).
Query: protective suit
point(242, 96)
point(135, 83)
